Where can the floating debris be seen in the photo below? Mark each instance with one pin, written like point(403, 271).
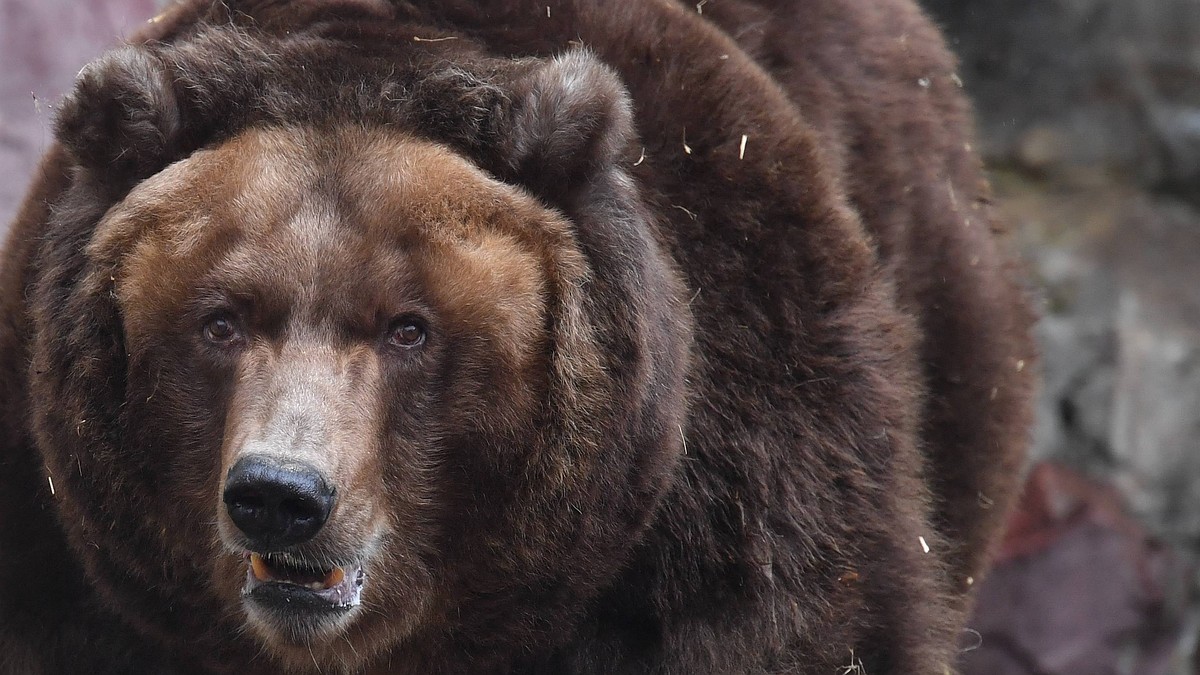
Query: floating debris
point(676, 206)
point(856, 666)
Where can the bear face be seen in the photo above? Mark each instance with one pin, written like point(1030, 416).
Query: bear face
point(366, 305)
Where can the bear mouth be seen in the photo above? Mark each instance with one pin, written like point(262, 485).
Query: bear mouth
point(290, 585)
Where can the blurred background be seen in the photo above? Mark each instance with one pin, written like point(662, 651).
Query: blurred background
point(1089, 119)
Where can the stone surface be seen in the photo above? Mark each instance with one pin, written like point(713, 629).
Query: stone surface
point(1155, 427)
point(1090, 111)
point(1079, 588)
point(1118, 272)
point(1109, 83)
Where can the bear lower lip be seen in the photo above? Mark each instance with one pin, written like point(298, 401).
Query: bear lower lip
point(279, 584)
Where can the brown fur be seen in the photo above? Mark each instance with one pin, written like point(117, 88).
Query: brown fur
point(683, 408)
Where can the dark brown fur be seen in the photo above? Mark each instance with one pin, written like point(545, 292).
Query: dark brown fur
point(687, 409)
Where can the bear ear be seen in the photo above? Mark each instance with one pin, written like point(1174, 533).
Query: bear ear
point(570, 120)
point(121, 120)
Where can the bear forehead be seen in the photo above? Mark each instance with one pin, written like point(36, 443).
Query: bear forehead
point(260, 175)
point(304, 212)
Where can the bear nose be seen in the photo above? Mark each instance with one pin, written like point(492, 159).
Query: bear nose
point(277, 504)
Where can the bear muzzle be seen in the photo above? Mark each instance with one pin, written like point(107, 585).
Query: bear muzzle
point(278, 505)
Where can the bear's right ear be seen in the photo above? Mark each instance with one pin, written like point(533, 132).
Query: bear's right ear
point(122, 120)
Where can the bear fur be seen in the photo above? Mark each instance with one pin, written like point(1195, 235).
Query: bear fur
point(754, 380)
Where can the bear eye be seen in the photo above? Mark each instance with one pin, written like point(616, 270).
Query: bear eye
point(407, 332)
point(221, 330)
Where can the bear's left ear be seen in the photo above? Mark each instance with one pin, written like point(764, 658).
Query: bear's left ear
point(570, 119)
point(121, 120)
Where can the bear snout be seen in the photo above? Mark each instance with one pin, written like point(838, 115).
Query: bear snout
point(277, 504)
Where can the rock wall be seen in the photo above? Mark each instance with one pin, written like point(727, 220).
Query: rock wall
point(43, 44)
point(1108, 83)
point(1089, 113)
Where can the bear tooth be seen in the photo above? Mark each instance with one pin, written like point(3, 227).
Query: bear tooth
point(336, 576)
point(259, 567)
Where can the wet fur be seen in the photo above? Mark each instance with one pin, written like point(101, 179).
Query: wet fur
point(769, 377)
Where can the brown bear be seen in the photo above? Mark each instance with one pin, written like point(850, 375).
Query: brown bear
point(368, 336)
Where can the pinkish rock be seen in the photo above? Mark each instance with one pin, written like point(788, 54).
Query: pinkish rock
point(43, 44)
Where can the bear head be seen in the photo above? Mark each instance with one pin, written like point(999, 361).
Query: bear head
point(359, 368)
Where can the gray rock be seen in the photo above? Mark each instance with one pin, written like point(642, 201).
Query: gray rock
point(1155, 426)
point(1060, 83)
